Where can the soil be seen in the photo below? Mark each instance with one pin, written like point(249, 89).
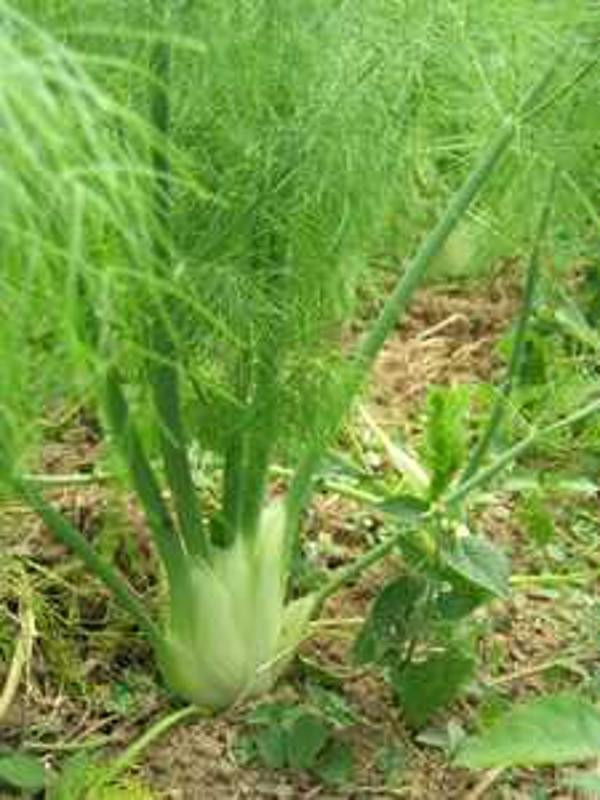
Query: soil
point(90, 676)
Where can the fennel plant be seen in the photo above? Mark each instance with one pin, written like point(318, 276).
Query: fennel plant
point(185, 215)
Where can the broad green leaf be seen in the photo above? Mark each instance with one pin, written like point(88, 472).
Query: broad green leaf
point(271, 747)
point(388, 624)
point(557, 729)
point(478, 561)
point(22, 772)
point(305, 740)
point(365, 649)
point(335, 764)
point(422, 688)
point(462, 598)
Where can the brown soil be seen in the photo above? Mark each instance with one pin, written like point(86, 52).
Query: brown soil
point(447, 339)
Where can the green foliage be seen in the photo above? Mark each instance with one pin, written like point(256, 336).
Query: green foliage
point(301, 737)
point(479, 563)
point(404, 507)
point(558, 370)
point(473, 62)
point(182, 242)
point(585, 783)
point(83, 777)
point(422, 687)
point(393, 620)
point(446, 435)
point(555, 729)
point(407, 635)
point(283, 145)
point(22, 772)
point(417, 630)
point(535, 514)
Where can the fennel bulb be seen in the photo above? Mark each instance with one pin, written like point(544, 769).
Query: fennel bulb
point(237, 633)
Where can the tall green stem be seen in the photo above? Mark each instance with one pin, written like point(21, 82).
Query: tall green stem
point(163, 373)
point(234, 476)
point(398, 301)
point(144, 480)
point(259, 446)
point(531, 281)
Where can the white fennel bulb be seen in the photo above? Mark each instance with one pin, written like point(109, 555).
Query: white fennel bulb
point(237, 633)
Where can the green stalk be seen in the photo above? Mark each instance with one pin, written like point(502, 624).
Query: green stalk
point(234, 466)
point(516, 355)
point(144, 480)
point(298, 495)
point(128, 758)
point(163, 373)
point(259, 442)
point(355, 569)
point(69, 536)
point(255, 481)
point(397, 303)
point(165, 390)
point(233, 486)
point(117, 410)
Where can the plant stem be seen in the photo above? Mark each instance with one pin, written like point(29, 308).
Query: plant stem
point(516, 356)
point(259, 440)
point(298, 495)
point(132, 753)
point(144, 479)
point(233, 471)
point(396, 304)
point(233, 486)
point(163, 373)
point(356, 568)
point(172, 438)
